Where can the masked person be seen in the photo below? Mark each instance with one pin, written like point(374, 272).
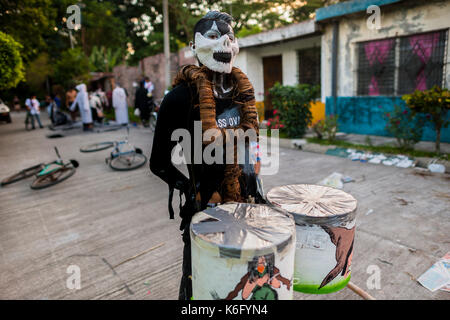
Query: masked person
point(221, 97)
point(82, 101)
point(119, 102)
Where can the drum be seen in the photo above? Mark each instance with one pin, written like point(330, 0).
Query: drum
point(325, 227)
point(242, 251)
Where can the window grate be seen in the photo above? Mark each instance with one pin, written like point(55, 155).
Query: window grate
point(376, 67)
point(422, 61)
point(420, 64)
point(309, 66)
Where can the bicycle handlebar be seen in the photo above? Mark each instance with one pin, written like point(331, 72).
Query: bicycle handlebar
point(57, 153)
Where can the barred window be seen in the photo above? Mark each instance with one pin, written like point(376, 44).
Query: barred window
point(421, 61)
point(376, 67)
point(420, 64)
point(309, 66)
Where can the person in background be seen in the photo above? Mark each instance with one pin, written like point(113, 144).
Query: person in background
point(16, 103)
point(119, 102)
point(57, 100)
point(82, 101)
point(70, 98)
point(96, 107)
point(48, 104)
point(34, 111)
point(142, 102)
point(102, 95)
point(149, 86)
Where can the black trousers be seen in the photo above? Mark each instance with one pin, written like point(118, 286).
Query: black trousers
point(186, 281)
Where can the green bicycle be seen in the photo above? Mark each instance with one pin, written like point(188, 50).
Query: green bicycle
point(46, 174)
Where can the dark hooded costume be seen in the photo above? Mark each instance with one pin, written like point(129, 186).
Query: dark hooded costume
point(193, 99)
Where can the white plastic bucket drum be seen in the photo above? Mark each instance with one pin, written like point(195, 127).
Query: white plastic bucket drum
point(325, 227)
point(242, 251)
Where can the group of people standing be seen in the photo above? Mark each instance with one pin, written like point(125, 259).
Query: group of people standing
point(91, 105)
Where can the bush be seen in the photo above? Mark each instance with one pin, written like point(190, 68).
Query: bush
point(11, 65)
point(274, 123)
point(434, 104)
point(406, 127)
point(327, 128)
point(293, 104)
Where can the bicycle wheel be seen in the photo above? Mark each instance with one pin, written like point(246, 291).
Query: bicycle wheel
point(23, 174)
point(128, 161)
point(53, 178)
point(97, 146)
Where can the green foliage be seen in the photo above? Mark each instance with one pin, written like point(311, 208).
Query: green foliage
point(72, 67)
point(244, 32)
point(293, 102)
point(327, 128)
point(275, 123)
point(405, 126)
point(104, 59)
point(11, 66)
point(37, 72)
point(385, 149)
point(434, 104)
point(28, 22)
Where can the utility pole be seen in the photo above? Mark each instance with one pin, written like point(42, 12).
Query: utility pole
point(166, 42)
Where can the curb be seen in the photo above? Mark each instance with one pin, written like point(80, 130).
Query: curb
point(303, 145)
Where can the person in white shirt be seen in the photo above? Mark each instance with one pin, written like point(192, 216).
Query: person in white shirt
point(119, 102)
point(82, 101)
point(34, 111)
point(96, 107)
point(149, 86)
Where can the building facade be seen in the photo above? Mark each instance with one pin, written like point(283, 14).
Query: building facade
point(366, 67)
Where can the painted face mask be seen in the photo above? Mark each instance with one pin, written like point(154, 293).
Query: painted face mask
point(216, 46)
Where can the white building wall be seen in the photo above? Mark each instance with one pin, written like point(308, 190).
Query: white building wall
point(395, 21)
point(250, 61)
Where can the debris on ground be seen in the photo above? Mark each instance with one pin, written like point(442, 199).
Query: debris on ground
point(438, 276)
point(402, 201)
point(334, 180)
point(400, 161)
point(369, 212)
point(436, 167)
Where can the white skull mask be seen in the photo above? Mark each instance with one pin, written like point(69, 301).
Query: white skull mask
point(217, 47)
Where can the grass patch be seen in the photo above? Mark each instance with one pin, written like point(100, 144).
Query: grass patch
point(380, 149)
point(110, 115)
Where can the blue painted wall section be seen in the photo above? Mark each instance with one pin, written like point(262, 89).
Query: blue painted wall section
point(364, 115)
point(341, 9)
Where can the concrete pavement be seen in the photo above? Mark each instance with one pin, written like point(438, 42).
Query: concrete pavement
point(115, 225)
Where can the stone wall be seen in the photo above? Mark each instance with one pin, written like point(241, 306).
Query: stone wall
point(154, 68)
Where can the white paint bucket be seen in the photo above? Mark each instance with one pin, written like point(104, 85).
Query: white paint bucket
point(325, 227)
point(242, 251)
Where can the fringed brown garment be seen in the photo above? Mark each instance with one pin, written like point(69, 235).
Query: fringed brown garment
point(200, 76)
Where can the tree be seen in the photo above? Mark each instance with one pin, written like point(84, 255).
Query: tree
point(434, 104)
point(104, 59)
point(27, 21)
point(11, 66)
point(38, 72)
point(73, 66)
